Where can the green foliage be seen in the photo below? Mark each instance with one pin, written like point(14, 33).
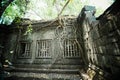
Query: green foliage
point(45, 9)
point(17, 20)
point(15, 9)
point(29, 30)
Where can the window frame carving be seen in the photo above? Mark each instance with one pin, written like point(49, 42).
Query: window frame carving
point(43, 49)
point(24, 50)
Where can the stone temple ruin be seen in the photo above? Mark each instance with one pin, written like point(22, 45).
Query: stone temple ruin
point(66, 48)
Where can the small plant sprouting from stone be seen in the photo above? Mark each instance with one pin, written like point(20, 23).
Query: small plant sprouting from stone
point(29, 30)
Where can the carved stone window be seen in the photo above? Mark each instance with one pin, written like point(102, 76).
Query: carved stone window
point(43, 49)
point(25, 50)
point(71, 49)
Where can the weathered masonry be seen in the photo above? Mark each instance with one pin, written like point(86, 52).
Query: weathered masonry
point(44, 46)
point(63, 47)
point(101, 38)
point(51, 44)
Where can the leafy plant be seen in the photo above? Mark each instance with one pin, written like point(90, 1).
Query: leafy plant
point(15, 9)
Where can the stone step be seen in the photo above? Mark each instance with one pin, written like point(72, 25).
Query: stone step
point(42, 76)
point(35, 70)
point(48, 66)
point(44, 72)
